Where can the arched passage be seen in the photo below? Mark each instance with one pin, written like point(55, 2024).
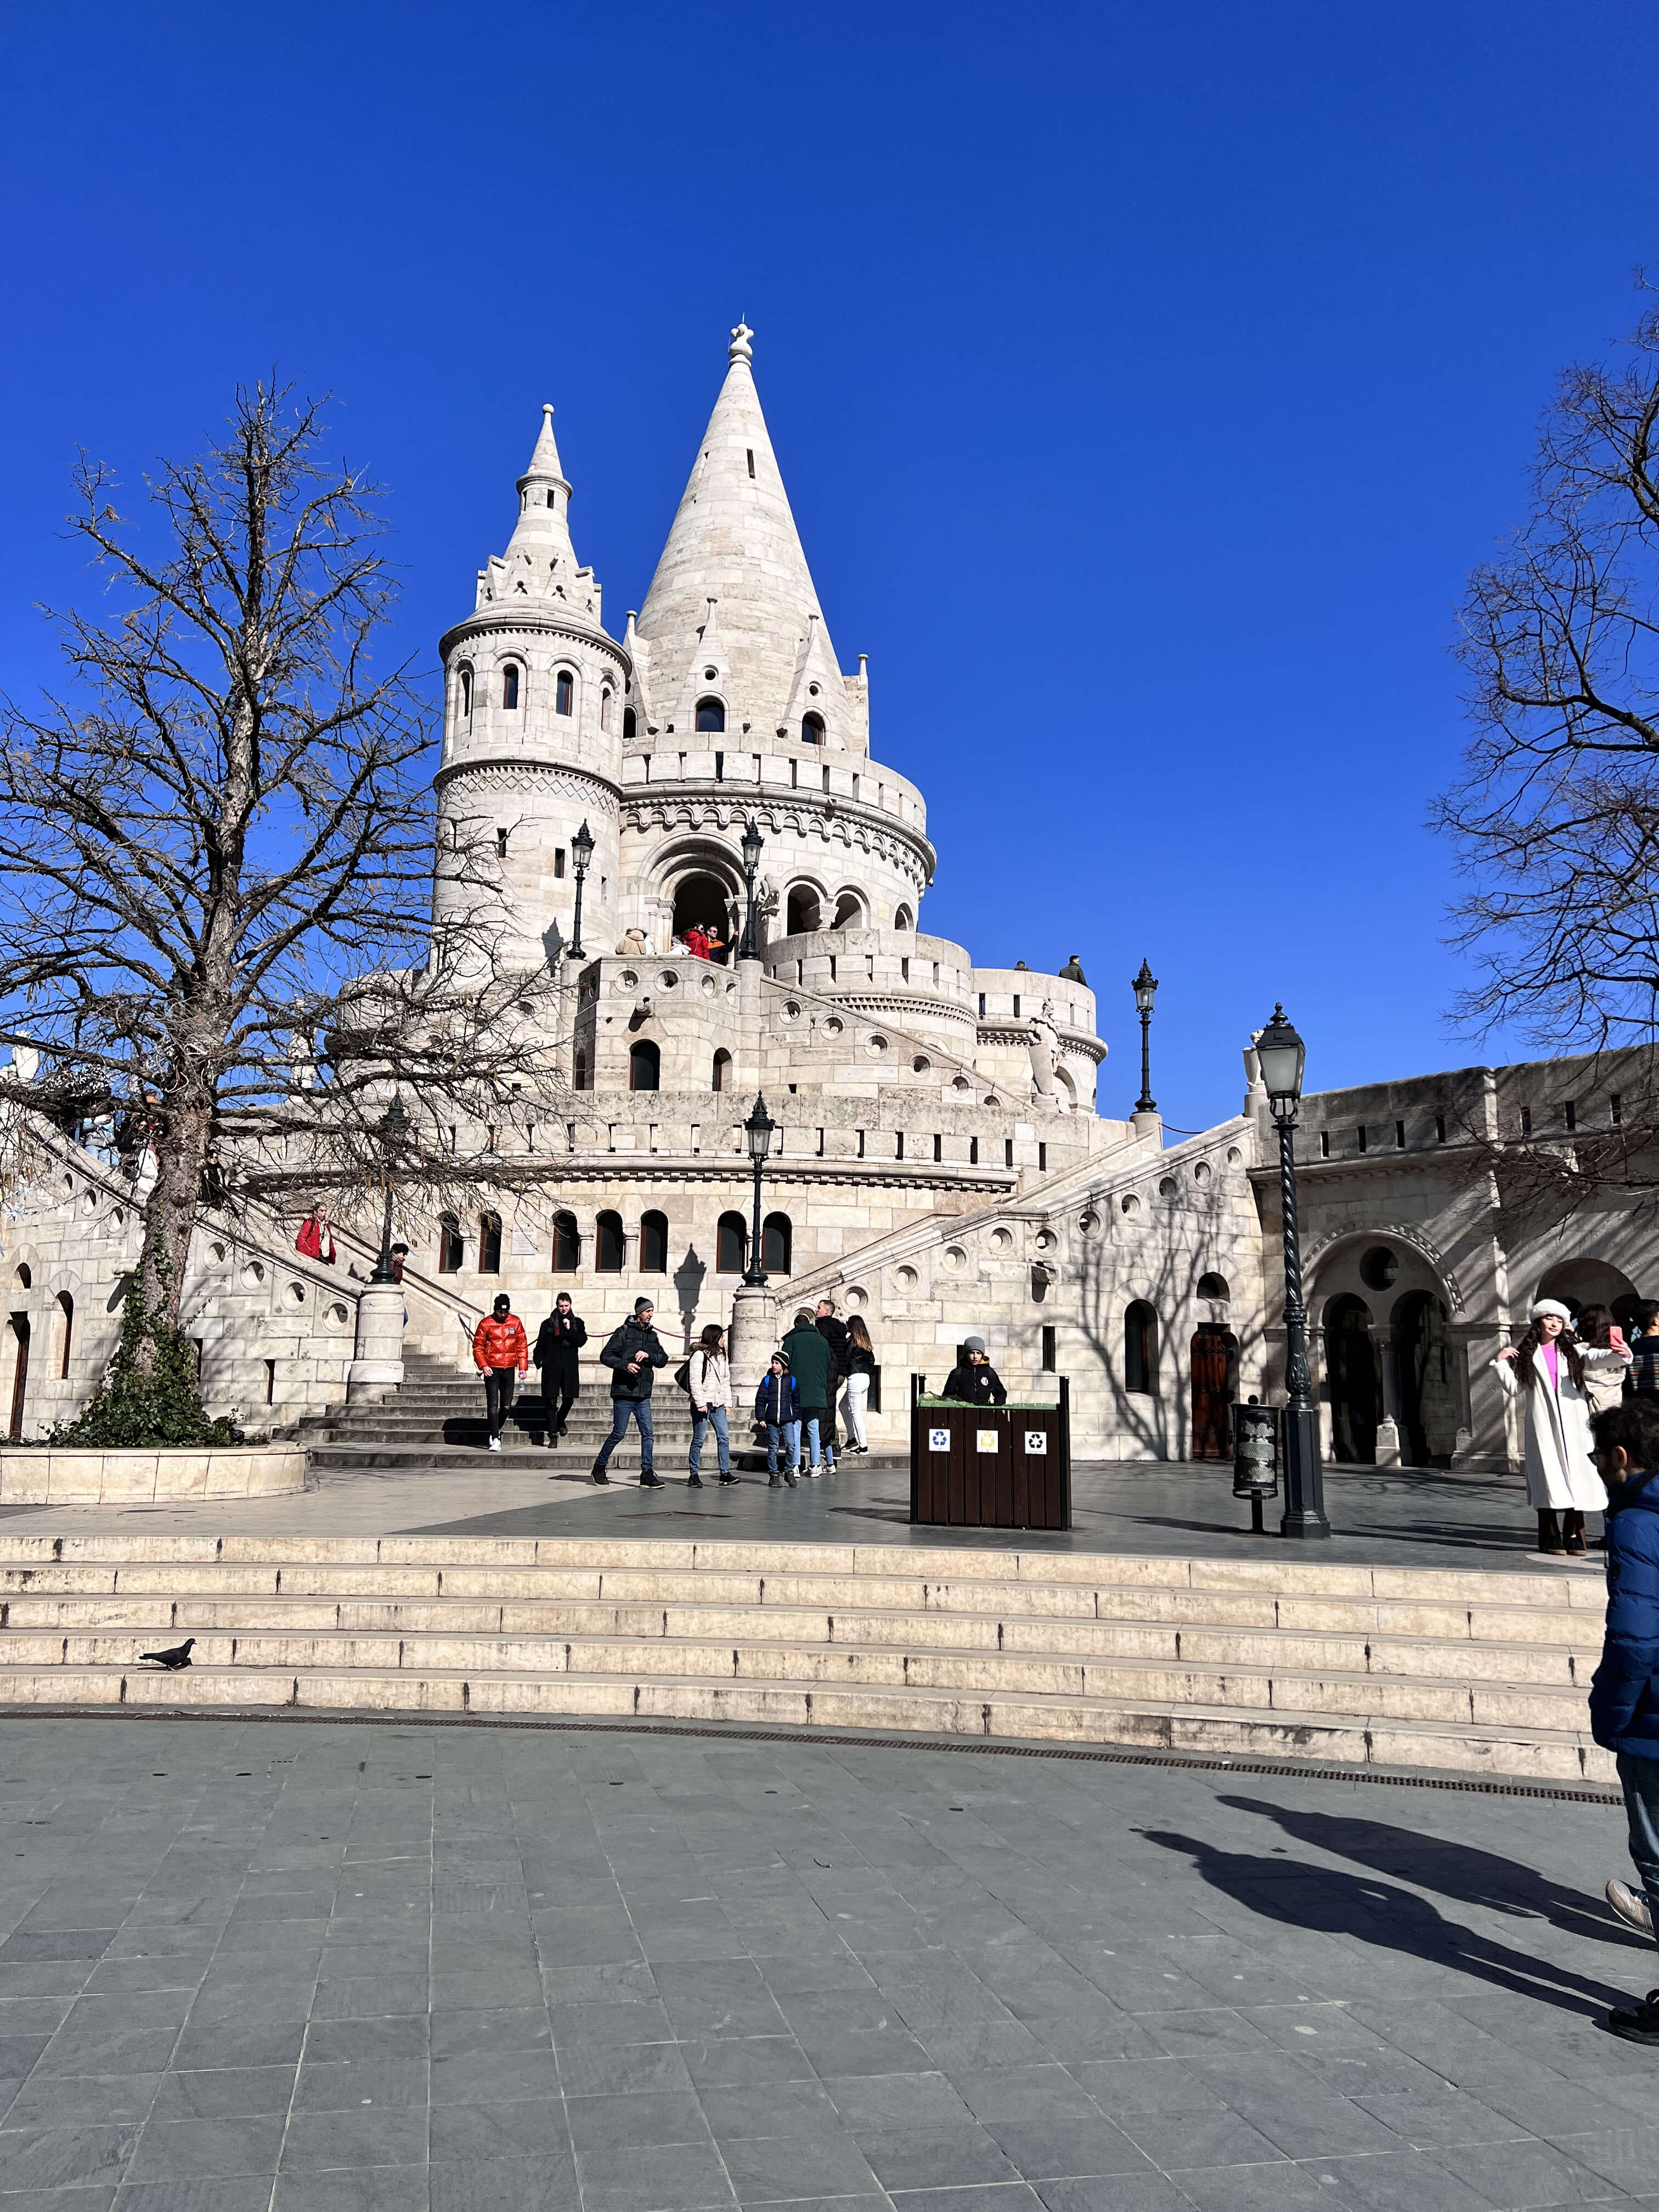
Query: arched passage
point(1215, 1372)
point(1580, 1283)
point(803, 911)
point(1351, 1369)
point(701, 902)
point(1429, 1409)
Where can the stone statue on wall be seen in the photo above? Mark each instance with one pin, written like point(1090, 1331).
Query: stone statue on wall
point(1044, 1041)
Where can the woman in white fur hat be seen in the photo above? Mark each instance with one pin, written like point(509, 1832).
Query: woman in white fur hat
point(1548, 1368)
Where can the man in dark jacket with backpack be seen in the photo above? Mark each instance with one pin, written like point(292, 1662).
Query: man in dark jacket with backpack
point(1624, 1699)
point(813, 1366)
point(632, 1353)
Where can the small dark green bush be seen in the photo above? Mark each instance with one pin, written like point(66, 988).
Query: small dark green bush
point(159, 1408)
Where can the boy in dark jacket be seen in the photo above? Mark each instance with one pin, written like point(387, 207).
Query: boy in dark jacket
point(777, 1405)
point(975, 1380)
point(1624, 1699)
point(812, 1364)
point(558, 1340)
point(631, 1353)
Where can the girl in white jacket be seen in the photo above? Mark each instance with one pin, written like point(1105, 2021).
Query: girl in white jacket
point(1550, 1370)
point(709, 1380)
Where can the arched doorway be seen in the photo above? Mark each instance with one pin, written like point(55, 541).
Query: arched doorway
point(1428, 1410)
point(1581, 1283)
point(1215, 1372)
point(1351, 1369)
point(701, 901)
point(20, 1374)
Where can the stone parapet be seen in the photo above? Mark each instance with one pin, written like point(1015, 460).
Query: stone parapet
point(142, 1478)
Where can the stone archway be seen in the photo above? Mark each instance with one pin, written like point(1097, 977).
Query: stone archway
point(1430, 1411)
point(1351, 1367)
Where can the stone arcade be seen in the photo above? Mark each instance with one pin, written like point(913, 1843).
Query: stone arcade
point(944, 1166)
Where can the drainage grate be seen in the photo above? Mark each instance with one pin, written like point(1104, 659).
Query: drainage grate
point(1181, 1762)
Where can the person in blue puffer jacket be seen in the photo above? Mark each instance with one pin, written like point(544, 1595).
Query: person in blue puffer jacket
point(1624, 1698)
point(777, 1405)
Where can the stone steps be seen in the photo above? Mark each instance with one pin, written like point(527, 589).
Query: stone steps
point(1434, 1668)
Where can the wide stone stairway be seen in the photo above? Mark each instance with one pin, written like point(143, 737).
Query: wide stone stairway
point(1477, 1671)
point(436, 1422)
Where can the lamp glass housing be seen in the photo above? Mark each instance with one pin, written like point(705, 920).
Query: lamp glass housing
point(753, 844)
point(758, 1129)
point(1283, 1056)
point(581, 847)
point(1145, 988)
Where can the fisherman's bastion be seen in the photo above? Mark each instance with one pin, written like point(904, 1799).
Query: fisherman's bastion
point(950, 1160)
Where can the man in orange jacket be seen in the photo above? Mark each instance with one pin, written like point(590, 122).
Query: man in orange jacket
point(503, 1353)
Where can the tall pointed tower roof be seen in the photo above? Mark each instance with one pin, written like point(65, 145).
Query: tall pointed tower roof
point(539, 566)
point(734, 543)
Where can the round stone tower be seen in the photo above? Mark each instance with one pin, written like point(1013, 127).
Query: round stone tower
point(534, 696)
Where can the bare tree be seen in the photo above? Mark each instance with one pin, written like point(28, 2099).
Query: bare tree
point(217, 855)
point(1556, 816)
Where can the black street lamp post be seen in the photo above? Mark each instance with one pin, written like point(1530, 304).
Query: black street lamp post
point(391, 1128)
point(759, 1129)
point(1283, 1056)
point(1145, 988)
point(752, 843)
point(581, 852)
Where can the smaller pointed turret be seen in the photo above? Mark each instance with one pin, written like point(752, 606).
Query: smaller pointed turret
point(540, 560)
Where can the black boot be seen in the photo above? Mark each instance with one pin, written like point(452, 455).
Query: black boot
point(650, 1481)
point(1572, 1533)
point(1549, 1529)
point(1638, 2023)
point(694, 1482)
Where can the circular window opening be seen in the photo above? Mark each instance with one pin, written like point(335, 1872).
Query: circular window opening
point(1046, 1240)
point(1201, 1172)
point(668, 979)
point(920, 1063)
point(955, 1256)
point(832, 1027)
point(877, 1044)
point(1089, 1224)
point(1002, 1241)
point(216, 1254)
point(1168, 1188)
point(1379, 1268)
point(906, 1279)
point(709, 674)
point(1132, 1205)
point(296, 1294)
point(1234, 1156)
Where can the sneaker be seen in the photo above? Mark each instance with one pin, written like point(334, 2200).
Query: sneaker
point(649, 1481)
point(810, 1473)
point(495, 1443)
point(729, 1478)
point(600, 1475)
point(695, 1482)
point(774, 1482)
point(1632, 1906)
point(790, 1479)
point(1638, 2023)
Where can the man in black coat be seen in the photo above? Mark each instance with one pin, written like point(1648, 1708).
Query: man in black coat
point(558, 1340)
point(975, 1380)
point(833, 1330)
point(632, 1353)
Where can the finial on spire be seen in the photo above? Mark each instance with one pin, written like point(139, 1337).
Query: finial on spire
point(547, 409)
point(740, 349)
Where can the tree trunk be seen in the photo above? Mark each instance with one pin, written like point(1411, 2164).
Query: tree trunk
point(180, 1143)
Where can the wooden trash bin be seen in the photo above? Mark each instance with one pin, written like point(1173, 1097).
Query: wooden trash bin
point(990, 1467)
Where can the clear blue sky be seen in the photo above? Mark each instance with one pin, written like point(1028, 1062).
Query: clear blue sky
point(1145, 379)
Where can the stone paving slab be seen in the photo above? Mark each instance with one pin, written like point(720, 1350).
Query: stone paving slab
point(295, 1967)
point(1404, 1517)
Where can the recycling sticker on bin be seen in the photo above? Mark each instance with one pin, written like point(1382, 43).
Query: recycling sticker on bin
point(988, 1439)
point(939, 1440)
point(1036, 1442)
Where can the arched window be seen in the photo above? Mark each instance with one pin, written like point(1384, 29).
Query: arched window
point(777, 1243)
point(903, 919)
point(490, 1244)
point(654, 1243)
point(466, 694)
point(849, 911)
point(731, 1245)
point(722, 1068)
point(1140, 1349)
point(452, 1246)
point(711, 715)
point(801, 914)
point(605, 708)
point(1213, 1286)
point(630, 726)
point(644, 1065)
point(567, 1244)
point(608, 1245)
point(66, 1308)
point(510, 684)
point(811, 729)
point(564, 693)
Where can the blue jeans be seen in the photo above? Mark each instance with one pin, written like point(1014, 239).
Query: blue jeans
point(1640, 1778)
point(787, 1433)
point(700, 1420)
point(820, 1418)
point(620, 1410)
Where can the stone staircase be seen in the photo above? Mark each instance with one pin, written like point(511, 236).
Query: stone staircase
point(1479, 1672)
point(435, 1423)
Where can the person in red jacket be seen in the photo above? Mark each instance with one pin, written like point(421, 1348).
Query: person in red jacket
point(502, 1354)
point(316, 1239)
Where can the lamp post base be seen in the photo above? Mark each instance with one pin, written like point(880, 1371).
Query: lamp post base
point(1305, 1489)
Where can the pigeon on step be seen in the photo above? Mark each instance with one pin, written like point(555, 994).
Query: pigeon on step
point(179, 1657)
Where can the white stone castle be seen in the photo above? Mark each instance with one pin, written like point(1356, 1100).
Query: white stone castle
point(944, 1168)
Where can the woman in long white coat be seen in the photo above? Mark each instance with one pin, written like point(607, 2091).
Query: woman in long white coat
point(1548, 1370)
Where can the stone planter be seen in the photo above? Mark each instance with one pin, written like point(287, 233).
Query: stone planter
point(148, 1478)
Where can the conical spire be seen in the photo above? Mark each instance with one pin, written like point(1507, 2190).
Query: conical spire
point(734, 541)
point(540, 561)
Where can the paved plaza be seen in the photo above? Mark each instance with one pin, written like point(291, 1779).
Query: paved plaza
point(340, 1967)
